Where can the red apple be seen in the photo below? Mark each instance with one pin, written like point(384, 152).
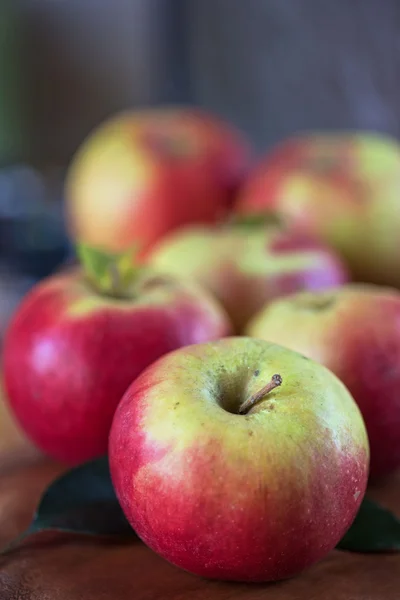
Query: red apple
point(355, 332)
point(342, 188)
point(245, 267)
point(229, 478)
point(146, 172)
point(70, 353)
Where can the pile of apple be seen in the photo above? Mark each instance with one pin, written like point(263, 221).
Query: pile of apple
point(225, 339)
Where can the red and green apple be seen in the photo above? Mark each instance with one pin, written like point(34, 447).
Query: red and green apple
point(70, 353)
point(143, 173)
point(342, 188)
point(248, 265)
point(239, 459)
point(355, 332)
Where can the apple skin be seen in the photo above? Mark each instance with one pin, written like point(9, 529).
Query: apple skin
point(70, 354)
point(355, 332)
point(255, 497)
point(143, 173)
point(342, 188)
point(247, 267)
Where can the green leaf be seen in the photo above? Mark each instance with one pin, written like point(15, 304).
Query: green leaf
point(375, 529)
point(95, 262)
point(111, 274)
point(80, 501)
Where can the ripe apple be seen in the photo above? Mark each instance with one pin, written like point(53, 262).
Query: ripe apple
point(143, 173)
point(355, 332)
point(246, 267)
point(342, 188)
point(70, 353)
point(239, 459)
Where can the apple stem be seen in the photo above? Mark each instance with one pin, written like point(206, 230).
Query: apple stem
point(276, 381)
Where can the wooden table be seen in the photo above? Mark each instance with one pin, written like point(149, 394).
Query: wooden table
point(65, 567)
point(14, 448)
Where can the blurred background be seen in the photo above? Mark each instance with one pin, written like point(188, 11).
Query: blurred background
point(272, 67)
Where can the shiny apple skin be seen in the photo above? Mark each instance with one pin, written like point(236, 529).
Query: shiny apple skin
point(70, 354)
point(256, 497)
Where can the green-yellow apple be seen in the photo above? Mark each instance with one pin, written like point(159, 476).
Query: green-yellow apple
point(355, 332)
point(239, 459)
point(343, 188)
point(143, 173)
point(70, 353)
point(246, 266)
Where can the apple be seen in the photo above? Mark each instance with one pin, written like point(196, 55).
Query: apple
point(143, 173)
point(244, 267)
point(70, 353)
point(355, 332)
point(239, 459)
point(342, 188)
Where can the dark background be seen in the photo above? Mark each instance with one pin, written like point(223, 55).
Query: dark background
point(271, 66)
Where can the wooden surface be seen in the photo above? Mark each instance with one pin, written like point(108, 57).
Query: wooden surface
point(14, 447)
point(65, 567)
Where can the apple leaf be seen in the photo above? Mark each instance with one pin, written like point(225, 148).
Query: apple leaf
point(375, 529)
point(111, 274)
point(80, 501)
